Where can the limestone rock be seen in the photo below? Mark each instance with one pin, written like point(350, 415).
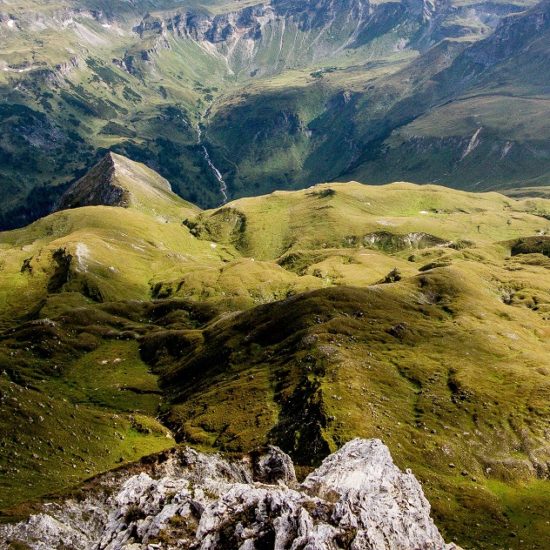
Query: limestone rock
point(272, 465)
point(356, 499)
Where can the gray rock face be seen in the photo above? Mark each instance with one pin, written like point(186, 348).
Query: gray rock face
point(97, 187)
point(246, 38)
point(272, 465)
point(356, 499)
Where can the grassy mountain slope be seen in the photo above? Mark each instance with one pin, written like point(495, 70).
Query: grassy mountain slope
point(326, 214)
point(485, 126)
point(446, 361)
point(72, 422)
point(283, 319)
point(385, 362)
point(76, 397)
point(110, 253)
point(439, 117)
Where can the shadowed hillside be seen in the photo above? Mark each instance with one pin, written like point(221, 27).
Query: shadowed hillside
point(242, 98)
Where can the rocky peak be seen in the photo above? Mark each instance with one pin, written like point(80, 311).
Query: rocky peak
point(357, 499)
point(116, 181)
point(97, 187)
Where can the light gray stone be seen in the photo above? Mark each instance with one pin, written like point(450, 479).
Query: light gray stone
point(356, 499)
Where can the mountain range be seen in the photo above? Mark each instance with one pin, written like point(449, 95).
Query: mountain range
point(252, 252)
point(235, 98)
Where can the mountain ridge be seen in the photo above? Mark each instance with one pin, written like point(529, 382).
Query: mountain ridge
point(118, 181)
point(178, 289)
point(128, 80)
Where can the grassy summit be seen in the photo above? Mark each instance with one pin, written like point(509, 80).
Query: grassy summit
point(415, 314)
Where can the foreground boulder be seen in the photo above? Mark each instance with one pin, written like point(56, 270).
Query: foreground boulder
point(356, 499)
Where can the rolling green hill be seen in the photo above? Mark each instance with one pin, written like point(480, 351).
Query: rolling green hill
point(416, 314)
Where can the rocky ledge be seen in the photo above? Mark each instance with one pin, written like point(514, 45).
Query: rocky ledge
point(356, 499)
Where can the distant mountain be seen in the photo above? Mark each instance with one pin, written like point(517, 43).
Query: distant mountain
point(259, 96)
point(482, 121)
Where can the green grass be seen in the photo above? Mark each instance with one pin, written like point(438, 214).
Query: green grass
point(113, 377)
point(265, 321)
point(284, 222)
point(522, 119)
point(525, 507)
point(52, 440)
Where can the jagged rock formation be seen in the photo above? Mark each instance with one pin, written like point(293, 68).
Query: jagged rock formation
point(97, 187)
point(356, 499)
point(104, 184)
point(266, 38)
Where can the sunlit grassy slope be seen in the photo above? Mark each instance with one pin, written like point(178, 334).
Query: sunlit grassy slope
point(70, 425)
point(447, 362)
point(416, 314)
point(111, 253)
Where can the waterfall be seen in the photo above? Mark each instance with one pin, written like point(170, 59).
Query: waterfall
point(217, 174)
point(212, 166)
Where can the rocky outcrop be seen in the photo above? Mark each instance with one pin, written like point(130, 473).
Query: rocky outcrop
point(356, 499)
point(117, 181)
point(325, 27)
point(266, 38)
point(97, 187)
point(385, 240)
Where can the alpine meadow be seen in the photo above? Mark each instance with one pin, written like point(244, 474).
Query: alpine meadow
point(274, 274)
